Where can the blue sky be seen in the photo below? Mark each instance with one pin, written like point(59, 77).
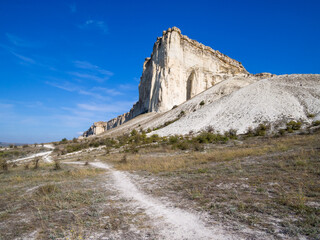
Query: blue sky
point(66, 64)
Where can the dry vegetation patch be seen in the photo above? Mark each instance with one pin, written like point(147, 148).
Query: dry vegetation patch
point(267, 184)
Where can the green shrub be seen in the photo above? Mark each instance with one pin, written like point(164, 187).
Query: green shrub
point(250, 132)
point(202, 103)
point(208, 137)
point(282, 132)
point(316, 123)
point(155, 138)
point(261, 130)
point(181, 114)
point(133, 132)
point(293, 125)
point(4, 165)
point(310, 115)
point(197, 146)
point(184, 145)
point(64, 141)
point(232, 134)
point(173, 139)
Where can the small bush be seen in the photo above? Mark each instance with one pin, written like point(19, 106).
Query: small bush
point(310, 115)
point(316, 123)
point(124, 159)
point(197, 146)
point(47, 189)
point(155, 138)
point(64, 141)
point(175, 106)
point(293, 125)
point(261, 130)
point(183, 145)
point(133, 132)
point(173, 139)
point(250, 132)
point(36, 163)
point(282, 132)
point(4, 165)
point(210, 129)
point(232, 134)
point(57, 165)
point(201, 103)
point(181, 114)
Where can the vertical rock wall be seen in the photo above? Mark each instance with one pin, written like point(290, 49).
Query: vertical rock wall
point(178, 69)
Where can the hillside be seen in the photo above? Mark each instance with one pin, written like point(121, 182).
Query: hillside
point(274, 101)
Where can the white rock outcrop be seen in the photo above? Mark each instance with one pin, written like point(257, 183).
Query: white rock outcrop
point(95, 129)
point(275, 101)
point(179, 68)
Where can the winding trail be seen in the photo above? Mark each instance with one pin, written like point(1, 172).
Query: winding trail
point(44, 155)
point(170, 222)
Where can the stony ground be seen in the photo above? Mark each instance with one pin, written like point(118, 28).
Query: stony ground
point(258, 188)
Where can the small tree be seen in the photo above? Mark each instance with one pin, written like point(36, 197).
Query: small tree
point(57, 165)
point(4, 165)
point(36, 163)
point(63, 141)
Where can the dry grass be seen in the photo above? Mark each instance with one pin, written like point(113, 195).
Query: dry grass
point(68, 203)
point(268, 184)
point(183, 160)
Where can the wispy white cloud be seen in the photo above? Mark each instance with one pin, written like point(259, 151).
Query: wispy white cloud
point(6, 105)
point(89, 71)
point(19, 42)
point(24, 58)
point(70, 87)
point(88, 76)
point(95, 24)
point(89, 66)
point(109, 91)
point(64, 86)
point(117, 107)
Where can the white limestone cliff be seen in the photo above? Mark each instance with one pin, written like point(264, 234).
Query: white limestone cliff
point(95, 129)
point(178, 69)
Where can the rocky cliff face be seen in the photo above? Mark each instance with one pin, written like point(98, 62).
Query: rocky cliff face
point(178, 69)
point(95, 129)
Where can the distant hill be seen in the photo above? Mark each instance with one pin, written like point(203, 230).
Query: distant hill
point(5, 144)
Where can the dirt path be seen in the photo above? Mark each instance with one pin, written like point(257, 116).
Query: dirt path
point(170, 222)
point(44, 155)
